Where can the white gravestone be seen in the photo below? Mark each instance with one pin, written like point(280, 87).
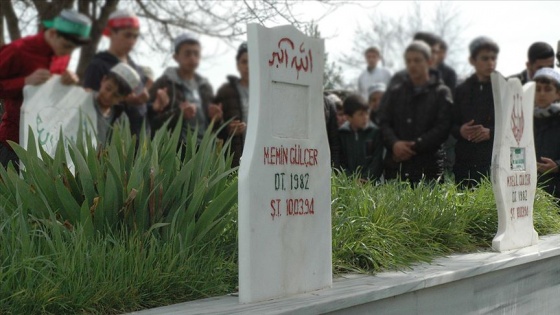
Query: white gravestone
point(285, 176)
point(514, 164)
point(51, 107)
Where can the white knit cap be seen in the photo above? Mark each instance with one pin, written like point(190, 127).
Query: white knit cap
point(548, 73)
point(128, 74)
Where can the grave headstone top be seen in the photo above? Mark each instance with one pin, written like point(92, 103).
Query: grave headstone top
point(284, 176)
point(514, 165)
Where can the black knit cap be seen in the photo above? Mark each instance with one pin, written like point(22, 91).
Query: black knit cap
point(241, 50)
point(539, 50)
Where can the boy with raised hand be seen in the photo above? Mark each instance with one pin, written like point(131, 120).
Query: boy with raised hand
point(190, 94)
point(361, 147)
point(31, 61)
point(123, 29)
point(547, 129)
point(473, 115)
point(234, 97)
point(115, 86)
point(415, 119)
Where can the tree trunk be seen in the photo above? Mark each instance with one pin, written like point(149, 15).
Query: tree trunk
point(88, 51)
point(11, 20)
point(49, 10)
point(1, 27)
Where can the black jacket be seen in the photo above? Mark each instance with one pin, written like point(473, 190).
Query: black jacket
point(421, 115)
point(361, 151)
point(522, 76)
point(232, 107)
point(473, 101)
point(448, 76)
point(100, 66)
point(547, 144)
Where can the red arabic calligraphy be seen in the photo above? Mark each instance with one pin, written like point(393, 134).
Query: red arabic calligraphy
point(517, 118)
point(301, 61)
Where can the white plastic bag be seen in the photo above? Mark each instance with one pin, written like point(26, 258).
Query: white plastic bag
point(51, 107)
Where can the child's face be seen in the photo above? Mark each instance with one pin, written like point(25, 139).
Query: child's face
point(188, 56)
point(109, 93)
point(340, 117)
point(417, 66)
point(374, 100)
point(484, 63)
point(243, 66)
point(546, 94)
point(124, 39)
point(358, 120)
point(372, 58)
point(60, 45)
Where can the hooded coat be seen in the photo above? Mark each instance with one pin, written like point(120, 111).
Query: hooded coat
point(177, 91)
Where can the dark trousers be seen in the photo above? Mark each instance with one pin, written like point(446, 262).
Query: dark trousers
point(469, 176)
point(7, 156)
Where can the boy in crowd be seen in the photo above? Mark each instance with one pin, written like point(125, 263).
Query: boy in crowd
point(374, 73)
point(433, 41)
point(375, 93)
point(540, 55)
point(234, 97)
point(415, 119)
point(547, 129)
point(189, 93)
point(123, 29)
point(361, 145)
point(31, 61)
point(114, 88)
point(473, 115)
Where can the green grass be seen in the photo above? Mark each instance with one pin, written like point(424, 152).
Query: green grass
point(133, 231)
point(393, 226)
point(48, 269)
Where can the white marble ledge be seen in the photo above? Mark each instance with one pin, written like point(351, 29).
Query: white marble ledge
point(352, 290)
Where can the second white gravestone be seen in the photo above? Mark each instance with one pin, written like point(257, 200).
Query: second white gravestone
point(284, 176)
point(514, 164)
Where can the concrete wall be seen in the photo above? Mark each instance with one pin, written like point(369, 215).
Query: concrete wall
point(525, 281)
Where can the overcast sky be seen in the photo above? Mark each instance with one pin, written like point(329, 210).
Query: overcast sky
point(514, 25)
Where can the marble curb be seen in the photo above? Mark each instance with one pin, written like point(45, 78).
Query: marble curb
point(353, 290)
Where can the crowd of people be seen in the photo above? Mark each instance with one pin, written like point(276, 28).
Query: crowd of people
point(416, 124)
point(423, 124)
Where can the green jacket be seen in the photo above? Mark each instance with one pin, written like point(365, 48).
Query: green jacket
point(361, 151)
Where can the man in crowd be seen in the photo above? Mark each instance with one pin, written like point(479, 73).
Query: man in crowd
point(190, 94)
point(473, 115)
point(415, 119)
point(540, 55)
point(374, 73)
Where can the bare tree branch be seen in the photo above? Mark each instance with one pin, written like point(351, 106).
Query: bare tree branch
point(392, 34)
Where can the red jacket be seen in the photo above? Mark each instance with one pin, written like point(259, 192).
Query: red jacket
point(18, 60)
